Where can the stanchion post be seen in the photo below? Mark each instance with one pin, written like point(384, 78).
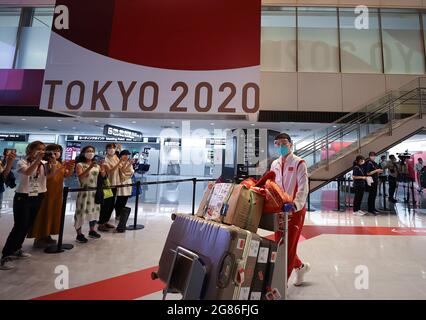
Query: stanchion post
point(136, 226)
point(384, 195)
point(194, 185)
point(338, 193)
point(61, 247)
point(309, 194)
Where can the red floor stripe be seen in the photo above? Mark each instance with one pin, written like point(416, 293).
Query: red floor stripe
point(138, 284)
point(125, 287)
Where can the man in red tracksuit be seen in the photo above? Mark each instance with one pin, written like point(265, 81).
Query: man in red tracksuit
point(292, 176)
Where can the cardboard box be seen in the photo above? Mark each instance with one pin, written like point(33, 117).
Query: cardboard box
point(202, 209)
point(244, 208)
point(219, 197)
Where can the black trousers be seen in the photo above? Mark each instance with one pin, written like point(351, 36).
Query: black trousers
point(372, 194)
point(120, 204)
point(107, 208)
point(392, 187)
point(25, 211)
point(359, 194)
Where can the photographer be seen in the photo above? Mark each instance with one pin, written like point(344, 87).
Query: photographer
point(26, 203)
point(48, 219)
point(392, 166)
point(6, 176)
point(126, 172)
point(111, 165)
point(373, 170)
point(86, 207)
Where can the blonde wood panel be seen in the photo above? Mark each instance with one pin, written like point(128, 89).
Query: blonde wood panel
point(358, 89)
point(278, 91)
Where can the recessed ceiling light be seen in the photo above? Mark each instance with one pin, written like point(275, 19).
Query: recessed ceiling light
point(96, 121)
point(252, 124)
point(133, 121)
point(212, 124)
point(172, 122)
point(59, 120)
point(23, 119)
point(45, 127)
point(334, 126)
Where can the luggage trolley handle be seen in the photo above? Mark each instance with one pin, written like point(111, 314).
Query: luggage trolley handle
point(279, 278)
point(190, 256)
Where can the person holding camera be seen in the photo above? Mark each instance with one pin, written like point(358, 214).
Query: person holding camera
point(48, 219)
point(32, 174)
point(111, 165)
point(126, 172)
point(86, 207)
point(373, 170)
point(6, 176)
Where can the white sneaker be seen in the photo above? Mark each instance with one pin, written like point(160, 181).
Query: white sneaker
point(300, 274)
point(5, 264)
point(20, 255)
point(360, 213)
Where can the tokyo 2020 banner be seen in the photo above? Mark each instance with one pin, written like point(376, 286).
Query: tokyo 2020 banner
point(154, 56)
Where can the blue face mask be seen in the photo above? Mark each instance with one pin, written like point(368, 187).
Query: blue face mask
point(283, 150)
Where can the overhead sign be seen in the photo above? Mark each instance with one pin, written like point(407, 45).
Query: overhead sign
point(13, 137)
point(98, 139)
point(147, 56)
point(113, 131)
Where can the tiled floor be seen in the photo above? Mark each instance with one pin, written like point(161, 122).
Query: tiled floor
point(389, 247)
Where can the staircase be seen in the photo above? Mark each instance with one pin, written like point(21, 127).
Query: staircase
point(378, 126)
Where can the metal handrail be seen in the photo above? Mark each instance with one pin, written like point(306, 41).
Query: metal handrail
point(363, 116)
point(350, 127)
point(368, 104)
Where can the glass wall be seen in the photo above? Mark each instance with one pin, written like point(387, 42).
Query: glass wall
point(360, 45)
point(318, 40)
point(387, 40)
point(278, 48)
point(34, 40)
point(9, 23)
point(402, 42)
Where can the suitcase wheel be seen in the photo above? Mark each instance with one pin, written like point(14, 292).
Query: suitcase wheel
point(154, 275)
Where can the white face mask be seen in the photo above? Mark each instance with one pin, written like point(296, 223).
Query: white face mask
point(89, 155)
point(111, 152)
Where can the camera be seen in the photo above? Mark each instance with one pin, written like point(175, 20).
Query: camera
point(404, 157)
point(48, 155)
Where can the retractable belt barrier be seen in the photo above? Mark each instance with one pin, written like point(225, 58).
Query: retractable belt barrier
point(61, 247)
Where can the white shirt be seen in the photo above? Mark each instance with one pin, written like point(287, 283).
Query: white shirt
point(114, 176)
point(292, 177)
point(38, 176)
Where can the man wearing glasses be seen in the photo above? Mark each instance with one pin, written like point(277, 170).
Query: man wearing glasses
point(292, 176)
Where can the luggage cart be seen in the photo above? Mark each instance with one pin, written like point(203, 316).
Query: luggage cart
point(192, 272)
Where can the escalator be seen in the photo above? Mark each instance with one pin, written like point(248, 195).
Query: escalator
point(378, 126)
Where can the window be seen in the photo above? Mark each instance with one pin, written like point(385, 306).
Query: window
point(360, 48)
point(279, 39)
point(9, 22)
point(318, 39)
point(34, 40)
point(402, 42)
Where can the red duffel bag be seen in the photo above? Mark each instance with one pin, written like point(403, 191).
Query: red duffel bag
point(275, 197)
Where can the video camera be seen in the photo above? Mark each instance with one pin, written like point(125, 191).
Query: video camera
point(404, 157)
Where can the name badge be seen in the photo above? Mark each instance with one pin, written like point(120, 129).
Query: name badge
point(33, 187)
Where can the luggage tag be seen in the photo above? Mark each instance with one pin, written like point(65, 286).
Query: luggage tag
point(33, 187)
